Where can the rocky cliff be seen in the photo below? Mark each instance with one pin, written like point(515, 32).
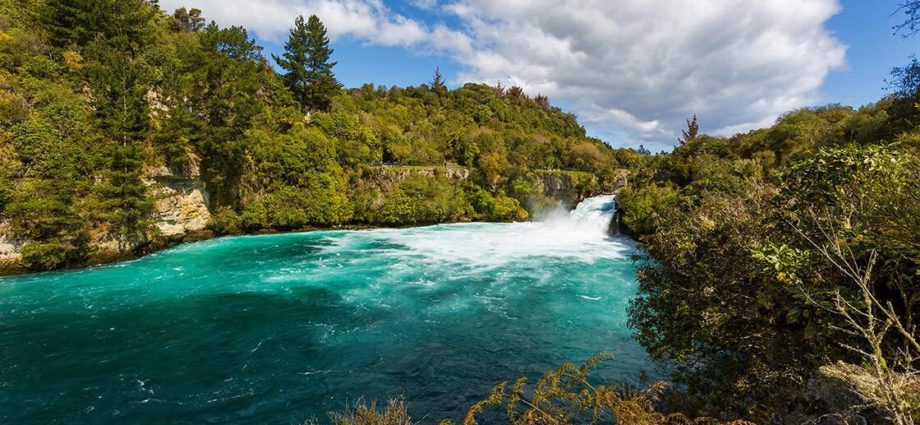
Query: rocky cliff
point(9, 248)
point(572, 187)
point(180, 212)
point(181, 206)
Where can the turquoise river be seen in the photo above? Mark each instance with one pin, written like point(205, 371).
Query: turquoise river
point(280, 328)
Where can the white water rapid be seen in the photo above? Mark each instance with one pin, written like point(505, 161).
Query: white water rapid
point(581, 234)
point(327, 316)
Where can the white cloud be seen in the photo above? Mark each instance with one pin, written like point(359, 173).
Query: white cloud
point(638, 67)
point(270, 19)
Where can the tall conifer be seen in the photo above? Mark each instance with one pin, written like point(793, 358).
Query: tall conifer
point(307, 65)
point(689, 135)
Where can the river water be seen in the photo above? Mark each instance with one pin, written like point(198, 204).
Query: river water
point(280, 328)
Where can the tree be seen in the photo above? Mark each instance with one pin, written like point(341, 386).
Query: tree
point(887, 381)
point(123, 116)
point(689, 135)
point(911, 24)
point(437, 82)
point(516, 92)
point(309, 73)
point(905, 81)
point(229, 72)
point(853, 253)
point(188, 20)
point(77, 22)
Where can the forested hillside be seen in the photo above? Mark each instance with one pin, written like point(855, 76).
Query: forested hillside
point(786, 283)
point(784, 261)
point(115, 114)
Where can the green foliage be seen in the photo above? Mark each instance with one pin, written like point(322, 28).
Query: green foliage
point(94, 96)
point(422, 200)
point(739, 299)
point(306, 62)
point(298, 181)
point(495, 208)
point(188, 20)
point(226, 220)
point(864, 200)
point(56, 235)
point(13, 109)
point(645, 206)
point(76, 22)
point(704, 308)
point(355, 143)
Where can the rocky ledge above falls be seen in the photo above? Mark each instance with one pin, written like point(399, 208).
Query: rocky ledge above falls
point(571, 187)
point(181, 207)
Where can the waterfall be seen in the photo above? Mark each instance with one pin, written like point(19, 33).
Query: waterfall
point(583, 233)
point(596, 212)
point(593, 216)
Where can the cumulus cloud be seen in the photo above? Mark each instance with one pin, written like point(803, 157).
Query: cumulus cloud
point(632, 69)
point(270, 20)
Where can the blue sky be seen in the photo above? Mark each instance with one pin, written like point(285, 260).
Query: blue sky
point(866, 27)
point(632, 70)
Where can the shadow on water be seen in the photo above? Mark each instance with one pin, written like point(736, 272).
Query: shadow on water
point(266, 358)
point(280, 328)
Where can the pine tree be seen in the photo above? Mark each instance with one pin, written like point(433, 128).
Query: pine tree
point(308, 69)
point(437, 82)
point(79, 22)
point(123, 116)
point(188, 20)
point(689, 135)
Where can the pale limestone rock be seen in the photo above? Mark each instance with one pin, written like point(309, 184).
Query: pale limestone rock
point(9, 249)
point(181, 199)
point(113, 244)
point(181, 209)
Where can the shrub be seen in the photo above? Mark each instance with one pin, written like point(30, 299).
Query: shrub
point(645, 206)
point(361, 413)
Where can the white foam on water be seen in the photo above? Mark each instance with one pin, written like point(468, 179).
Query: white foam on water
point(580, 235)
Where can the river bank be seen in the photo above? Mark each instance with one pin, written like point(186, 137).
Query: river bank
point(182, 212)
point(304, 322)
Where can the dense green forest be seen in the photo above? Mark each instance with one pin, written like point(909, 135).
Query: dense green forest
point(783, 255)
point(98, 95)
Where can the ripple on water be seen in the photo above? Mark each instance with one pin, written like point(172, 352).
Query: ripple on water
point(275, 329)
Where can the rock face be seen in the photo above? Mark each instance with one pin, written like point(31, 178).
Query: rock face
point(9, 248)
point(572, 187)
point(568, 187)
point(383, 179)
point(183, 210)
point(180, 210)
point(181, 201)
